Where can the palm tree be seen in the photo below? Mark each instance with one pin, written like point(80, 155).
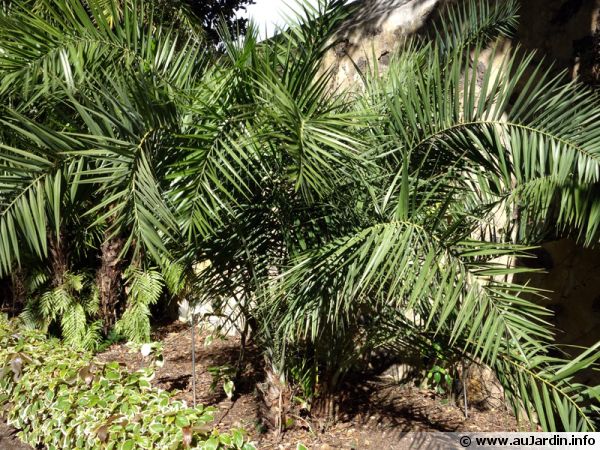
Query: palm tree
point(341, 222)
point(51, 208)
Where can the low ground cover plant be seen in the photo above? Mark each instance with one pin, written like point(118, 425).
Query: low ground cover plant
point(63, 398)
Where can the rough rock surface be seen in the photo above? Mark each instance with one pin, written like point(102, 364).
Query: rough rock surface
point(375, 31)
point(571, 274)
point(566, 32)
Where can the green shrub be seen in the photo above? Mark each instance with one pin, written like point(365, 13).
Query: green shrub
point(63, 398)
point(71, 307)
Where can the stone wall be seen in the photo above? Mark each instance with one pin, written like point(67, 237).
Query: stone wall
point(571, 276)
point(566, 32)
point(374, 32)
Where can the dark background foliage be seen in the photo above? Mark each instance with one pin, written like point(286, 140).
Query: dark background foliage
point(209, 12)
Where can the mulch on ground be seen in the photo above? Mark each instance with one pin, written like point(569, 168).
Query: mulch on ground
point(374, 415)
point(9, 439)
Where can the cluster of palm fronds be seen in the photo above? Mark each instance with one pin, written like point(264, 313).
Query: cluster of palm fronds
point(341, 222)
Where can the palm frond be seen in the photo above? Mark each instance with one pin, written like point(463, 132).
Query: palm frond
point(74, 39)
point(477, 121)
point(31, 189)
point(472, 23)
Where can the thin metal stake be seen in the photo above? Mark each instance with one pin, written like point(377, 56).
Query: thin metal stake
point(194, 357)
point(464, 380)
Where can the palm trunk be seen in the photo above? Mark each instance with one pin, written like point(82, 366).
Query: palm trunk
point(276, 396)
point(13, 292)
point(109, 279)
point(59, 260)
point(326, 404)
point(325, 407)
point(18, 289)
point(6, 294)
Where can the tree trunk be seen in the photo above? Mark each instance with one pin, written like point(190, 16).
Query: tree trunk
point(109, 280)
point(276, 396)
point(325, 406)
point(6, 294)
point(18, 290)
point(59, 260)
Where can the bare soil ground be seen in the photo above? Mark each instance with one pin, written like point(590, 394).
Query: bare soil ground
point(9, 440)
point(373, 415)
